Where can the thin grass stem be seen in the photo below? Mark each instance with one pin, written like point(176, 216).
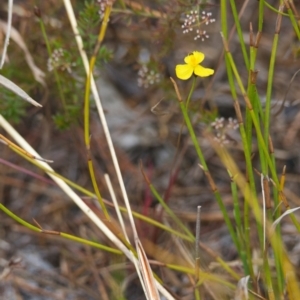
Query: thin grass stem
point(270, 79)
point(62, 234)
point(49, 50)
point(167, 208)
point(239, 32)
point(204, 165)
point(294, 22)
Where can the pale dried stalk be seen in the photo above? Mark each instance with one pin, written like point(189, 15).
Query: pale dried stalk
point(84, 58)
point(38, 74)
point(264, 210)
point(151, 290)
point(287, 212)
point(6, 42)
point(139, 265)
point(116, 205)
point(17, 90)
point(241, 292)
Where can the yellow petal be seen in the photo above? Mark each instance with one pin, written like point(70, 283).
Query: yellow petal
point(194, 58)
point(184, 72)
point(199, 56)
point(203, 72)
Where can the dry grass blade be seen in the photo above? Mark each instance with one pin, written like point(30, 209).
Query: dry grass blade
point(149, 283)
point(15, 35)
point(114, 199)
point(197, 250)
point(6, 43)
point(241, 292)
point(16, 148)
point(289, 211)
point(83, 55)
point(14, 88)
point(263, 210)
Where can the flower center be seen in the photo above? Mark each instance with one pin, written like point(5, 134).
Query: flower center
point(193, 61)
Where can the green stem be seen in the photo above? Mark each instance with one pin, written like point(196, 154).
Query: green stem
point(239, 32)
point(170, 212)
point(239, 226)
point(269, 88)
point(191, 92)
point(57, 79)
point(294, 22)
point(92, 62)
point(206, 170)
point(64, 235)
point(253, 116)
point(261, 15)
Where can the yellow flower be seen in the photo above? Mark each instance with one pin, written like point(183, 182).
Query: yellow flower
point(192, 61)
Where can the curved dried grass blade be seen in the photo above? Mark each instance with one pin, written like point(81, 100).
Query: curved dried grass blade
point(241, 292)
point(15, 147)
point(6, 43)
point(149, 282)
point(14, 88)
point(264, 210)
point(15, 35)
point(115, 202)
point(289, 211)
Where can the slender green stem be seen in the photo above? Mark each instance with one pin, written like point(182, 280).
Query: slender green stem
point(294, 22)
point(239, 32)
point(239, 226)
point(236, 206)
point(191, 92)
point(205, 169)
point(254, 118)
point(57, 79)
point(247, 152)
point(90, 243)
point(18, 219)
point(197, 294)
point(170, 212)
point(261, 15)
point(268, 278)
point(101, 35)
point(270, 87)
point(223, 4)
point(193, 135)
point(273, 8)
point(205, 276)
point(64, 235)
point(279, 271)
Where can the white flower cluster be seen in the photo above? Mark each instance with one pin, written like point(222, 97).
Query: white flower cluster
point(201, 34)
point(221, 126)
point(218, 123)
point(147, 77)
point(189, 21)
point(207, 18)
point(192, 20)
point(59, 61)
point(221, 139)
point(232, 124)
